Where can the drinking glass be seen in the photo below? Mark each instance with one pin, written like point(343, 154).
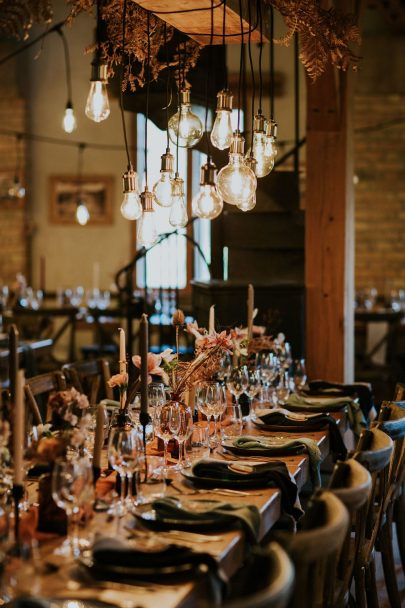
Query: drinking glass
point(238, 381)
point(72, 486)
point(299, 374)
point(268, 365)
point(225, 367)
point(199, 441)
point(180, 425)
point(283, 388)
point(211, 401)
point(232, 422)
point(254, 385)
point(124, 454)
point(161, 425)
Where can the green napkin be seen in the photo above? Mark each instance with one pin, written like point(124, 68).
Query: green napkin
point(355, 415)
point(247, 516)
point(289, 446)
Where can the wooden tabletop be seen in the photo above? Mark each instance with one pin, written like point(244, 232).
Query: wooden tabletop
point(229, 550)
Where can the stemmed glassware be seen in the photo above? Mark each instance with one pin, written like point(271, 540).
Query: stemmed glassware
point(225, 367)
point(180, 425)
point(72, 489)
point(161, 425)
point(254, 386)
point(283, 388)
point(238, 381)
point(268, 366)
point(125, 454)
point(299, 374)
point(211, 401)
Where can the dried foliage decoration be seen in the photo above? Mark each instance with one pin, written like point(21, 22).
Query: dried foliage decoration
point(136, 41)
point(325, 34)
point(18, 16)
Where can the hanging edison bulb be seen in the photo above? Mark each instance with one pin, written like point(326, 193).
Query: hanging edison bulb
point(207, 203)
point(131, 208)
point(162, 190)
point(271, 139)
point(185, 128)
point(82, 212)
point(69, 123)
point(146, 234)
point(236, 182)
point(97, 105)
point(178, 213)
point(259, 149)
point(248, 205)
point(221, 134)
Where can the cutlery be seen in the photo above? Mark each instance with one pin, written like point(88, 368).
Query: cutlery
point(191, 537)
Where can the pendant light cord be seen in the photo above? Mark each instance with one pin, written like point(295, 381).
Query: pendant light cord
point(81, 147)
point(226, 84)
point(296, 104)
point(67, 66)
point(207, 80)
point(271, 62)
point(240, 62)
point(167, 84)
point(259, 11)
point(147, 103)
point(121, 98)
point(252, 72)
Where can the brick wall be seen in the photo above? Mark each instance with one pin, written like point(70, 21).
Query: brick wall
point(380, 192)
point(13, 257)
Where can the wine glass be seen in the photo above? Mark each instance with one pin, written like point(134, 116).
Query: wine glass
point(180, 425)
point(161, 420)
point(268, 366)
point(211, 402)
point(299, 374)
point(283, 388)
point(254, 385)
point(225, 367)
point(124, 455)
point(237, 381)
point(72, 485)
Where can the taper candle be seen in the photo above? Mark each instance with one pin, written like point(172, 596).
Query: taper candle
point(99, 435)
point(18, 430)
point(250, 306)
point(123, 355)
point(143, 349)
point(211, 324)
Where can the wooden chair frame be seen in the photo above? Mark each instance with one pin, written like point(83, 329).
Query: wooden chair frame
point(87, 377)
point(42, 384)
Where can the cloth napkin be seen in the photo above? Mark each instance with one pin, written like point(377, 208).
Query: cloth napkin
point(283, 417)
point(246, 516)
point(272, 474)
point(289, 446)
point(358, 390)
point(355, 416)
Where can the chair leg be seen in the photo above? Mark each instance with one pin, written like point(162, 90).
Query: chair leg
point(371, 586)
point(388, 561)
point(400, 524)
point(360, 586)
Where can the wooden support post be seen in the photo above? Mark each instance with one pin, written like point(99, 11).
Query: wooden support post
point(329, 229)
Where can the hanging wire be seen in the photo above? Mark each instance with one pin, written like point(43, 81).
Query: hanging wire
point(67, 66)
point(147, 103)
point(271, 62)
point(224, 46)
point(179, 111)
point(259, 10)
point(240, 62)
point(121, 98)
point(81, 147)
point(252, 72)
point(207, 80)
point(167, 84)
point(296, 103)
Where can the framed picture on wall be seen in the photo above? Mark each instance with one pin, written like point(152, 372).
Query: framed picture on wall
point(94, 190)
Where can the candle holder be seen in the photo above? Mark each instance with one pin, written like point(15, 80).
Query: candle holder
point(18, 493)
point(144, 420)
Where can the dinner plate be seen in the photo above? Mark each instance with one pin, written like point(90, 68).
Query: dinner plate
point(316, 407)
point(276, 442)
point(129, 574)
point(149, 518)
point(211, 482)
point(291, 428)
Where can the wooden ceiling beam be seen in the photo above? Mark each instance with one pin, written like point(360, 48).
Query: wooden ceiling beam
point(197, 24)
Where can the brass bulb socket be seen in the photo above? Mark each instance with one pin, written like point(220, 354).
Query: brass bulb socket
point(178, 186)
point(147, 200)
point(167, 162)
point(185, 97)
point(208, 174)
point(129, 181)
point(271, 128)
point(259, 123)
point(238, 144)
point(98, 71)
point(224, 100)
point(251, 162)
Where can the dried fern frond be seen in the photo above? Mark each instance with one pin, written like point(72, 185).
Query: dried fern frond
point(325, 34)
point(136, 41)
point(18, 16)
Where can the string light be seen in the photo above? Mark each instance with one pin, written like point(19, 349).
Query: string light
point(185, 125)
point(221, 135)
point(236, 182)
point(82, 211)
point(97, 105)
point(69, 122)
point(178, 212)
point(207, 203)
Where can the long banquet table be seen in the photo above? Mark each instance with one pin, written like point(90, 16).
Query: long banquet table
point(229, 551)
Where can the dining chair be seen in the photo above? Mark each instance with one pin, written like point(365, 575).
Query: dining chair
point(315, 550)
point(391, 420)
point(277, 592)
point(373, 451)
point(37, 390)
point(351, 483)
point(91, 378)
point(399, 393)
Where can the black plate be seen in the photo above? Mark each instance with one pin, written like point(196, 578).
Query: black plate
point(210, 482)
point(278, 443)
point(147, 516)
point(129, 575)
point(299, 428)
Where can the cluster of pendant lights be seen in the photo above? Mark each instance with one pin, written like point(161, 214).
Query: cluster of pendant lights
point(235, 183)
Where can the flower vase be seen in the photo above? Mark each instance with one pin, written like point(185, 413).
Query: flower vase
point(51, 518)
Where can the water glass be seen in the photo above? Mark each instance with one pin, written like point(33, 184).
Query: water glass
point(268, 365)
point(238, 381)
point(152, 485)
point(282, 390)
point(199, 441)
point(299, 374)
point(232, 422)
point(180, 425)
point(125, 452)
